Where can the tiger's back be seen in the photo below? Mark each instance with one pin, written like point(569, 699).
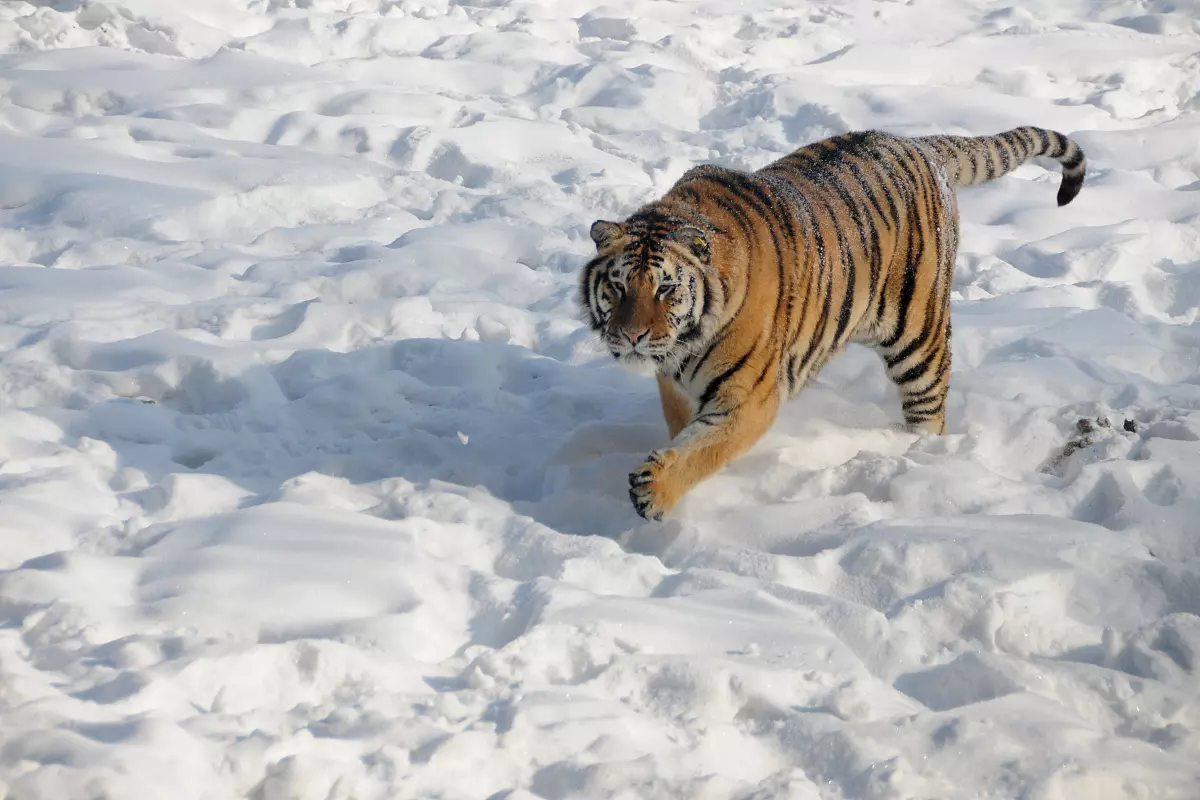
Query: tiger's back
point(844, 240)
point(851, 239)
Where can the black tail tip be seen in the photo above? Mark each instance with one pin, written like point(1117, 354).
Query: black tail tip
point(1071, 184)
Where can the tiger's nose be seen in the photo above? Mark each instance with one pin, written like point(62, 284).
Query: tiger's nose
point(634, 338)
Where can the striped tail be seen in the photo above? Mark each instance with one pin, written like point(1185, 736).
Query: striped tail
point(972, 160)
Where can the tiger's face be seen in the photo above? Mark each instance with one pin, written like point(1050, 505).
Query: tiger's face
point(645, 291)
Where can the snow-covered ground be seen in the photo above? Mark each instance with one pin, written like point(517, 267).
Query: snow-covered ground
point(312, 485)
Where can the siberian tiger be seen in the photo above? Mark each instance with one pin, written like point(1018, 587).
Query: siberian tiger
point(738, 287)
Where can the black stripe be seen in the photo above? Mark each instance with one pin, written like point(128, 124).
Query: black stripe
point(773, 215)
point(770, 215)
point(950, 151)
point(913, 252)
point(804, 218)
point(836, 180)
point(838, 149)
point(891, 191)
point(823, 323)
point(865, 186)
point(715, 384)
point(1045, 143)
point(764, 373)
point(929, 387)
point(903, 158)
point(679, 370)
point(738, 212)
point(916, 370)
point(1059, 147)
point(832, 180)
point(848, 266)
point(736, 206)
point(785, 214)
point(978, 164)
point(820, 273)
point(731, 207)
point(849, 278)
point(901, 217)
point(989, 160)
point(813, 244)
point(1028, 143)
point(791, 225)
point(700, 358)
point(598, 274)
point(888, 189)
point(1020, 145)
point(924, 413)
point(871, 248)
point(709, 294)
point(717, 337)
point(1005, 153)
point(691, 334)
point(938, 400)
point(909, 349)
point(930, 392)
point(934, 308)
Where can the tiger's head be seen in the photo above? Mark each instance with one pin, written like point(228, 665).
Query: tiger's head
point(649, 290)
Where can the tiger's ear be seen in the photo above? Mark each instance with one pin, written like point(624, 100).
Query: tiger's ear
point(694, 239)
point(604, 232)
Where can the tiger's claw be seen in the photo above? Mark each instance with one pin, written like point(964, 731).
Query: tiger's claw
point(648, 487)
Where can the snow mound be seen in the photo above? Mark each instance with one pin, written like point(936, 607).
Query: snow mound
point(312, 484)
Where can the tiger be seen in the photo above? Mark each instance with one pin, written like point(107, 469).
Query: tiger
point(737, 287)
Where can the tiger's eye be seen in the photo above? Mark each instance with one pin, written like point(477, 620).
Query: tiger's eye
point(667, 289)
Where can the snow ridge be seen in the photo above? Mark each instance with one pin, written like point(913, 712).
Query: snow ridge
point(313, 486)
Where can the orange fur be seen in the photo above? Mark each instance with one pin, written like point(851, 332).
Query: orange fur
point(677, 409)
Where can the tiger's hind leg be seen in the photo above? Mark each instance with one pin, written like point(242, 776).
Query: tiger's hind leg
point(917, 354)
point(923, 375)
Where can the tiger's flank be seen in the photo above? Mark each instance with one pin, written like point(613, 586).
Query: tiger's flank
point(738, 287)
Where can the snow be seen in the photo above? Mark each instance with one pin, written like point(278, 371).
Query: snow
point(313, 485)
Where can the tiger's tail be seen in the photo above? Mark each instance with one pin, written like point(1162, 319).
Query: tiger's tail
point(974, 159)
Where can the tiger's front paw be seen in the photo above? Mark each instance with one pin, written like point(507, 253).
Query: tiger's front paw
point(650, 487)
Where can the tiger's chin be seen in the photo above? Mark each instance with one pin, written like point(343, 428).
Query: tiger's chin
point(648, 364)
point(638, 363)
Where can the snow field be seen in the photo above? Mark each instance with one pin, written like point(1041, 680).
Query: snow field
point(313, 486)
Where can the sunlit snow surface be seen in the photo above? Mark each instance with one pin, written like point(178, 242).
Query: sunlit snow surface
point(313, 487)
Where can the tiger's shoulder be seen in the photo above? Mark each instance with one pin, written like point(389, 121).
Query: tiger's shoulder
point(711, 172)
